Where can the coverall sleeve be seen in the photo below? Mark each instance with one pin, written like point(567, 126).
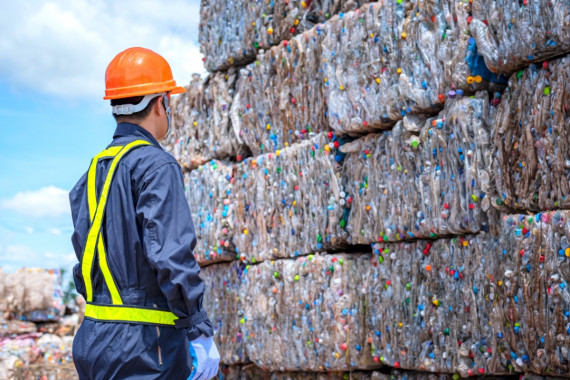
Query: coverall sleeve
point(168, 243)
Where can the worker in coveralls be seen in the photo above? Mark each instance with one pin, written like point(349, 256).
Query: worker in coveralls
point(134, 239)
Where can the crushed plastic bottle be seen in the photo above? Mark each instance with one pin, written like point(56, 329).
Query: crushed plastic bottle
point(513, 34)
point(279, 100)
point(290, 203)
point(233, 31)
point(530, 139)
point(423, 178)
point(304, 314)
point(395, 58)
point(210, 194)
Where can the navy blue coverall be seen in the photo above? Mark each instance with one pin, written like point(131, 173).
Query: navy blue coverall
point(149, 237)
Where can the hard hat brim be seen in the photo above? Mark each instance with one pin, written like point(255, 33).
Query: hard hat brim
point(178, 90)
point(128, 94)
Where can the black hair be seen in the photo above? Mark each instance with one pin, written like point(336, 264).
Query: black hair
point(135, 117)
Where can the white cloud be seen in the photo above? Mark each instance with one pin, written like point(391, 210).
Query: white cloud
point(55, 231)
point(30, 230)
point(50, 201)
point(62, 48)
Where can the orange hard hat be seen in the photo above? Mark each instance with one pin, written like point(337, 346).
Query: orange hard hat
point(136, 72)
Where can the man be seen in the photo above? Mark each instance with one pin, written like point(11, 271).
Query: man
point(134, 239)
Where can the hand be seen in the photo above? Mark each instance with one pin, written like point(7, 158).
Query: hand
point(205, 358)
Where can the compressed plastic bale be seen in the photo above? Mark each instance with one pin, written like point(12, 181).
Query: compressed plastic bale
point(43, 289)
point(395, 58)
point(16, 327)
point(537, 302)
point(291, 202)
point(436, 306)
point(531, 139)
point(305, 314)
point(512, 34)
point(221, 301)
point(34, 294)
point(279, 98)
point(250, 372)
point(231, 32)
point(424, 178)
point(210, 195)
point(201, 121)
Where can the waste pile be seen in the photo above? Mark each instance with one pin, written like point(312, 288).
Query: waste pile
point(396, 201)
point(35, 336)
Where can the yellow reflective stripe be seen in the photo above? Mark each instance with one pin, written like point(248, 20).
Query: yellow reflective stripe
point(93, 235)
point(129, 314)
point(91, 186)
point(109, 280)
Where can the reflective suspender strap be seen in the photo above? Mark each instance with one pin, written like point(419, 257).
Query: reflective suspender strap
point(92, 203)
point(97, 218)
point(115, 313)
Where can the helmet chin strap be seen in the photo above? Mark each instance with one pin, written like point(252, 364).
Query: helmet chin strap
point(166, 103)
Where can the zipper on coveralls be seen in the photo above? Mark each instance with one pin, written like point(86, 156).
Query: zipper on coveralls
point(157, 342)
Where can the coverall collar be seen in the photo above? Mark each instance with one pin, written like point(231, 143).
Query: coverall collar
point(129, 129)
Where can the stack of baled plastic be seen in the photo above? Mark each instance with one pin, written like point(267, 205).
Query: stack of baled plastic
point(211, 197)
point(423, 178)
point(201, 124)
point(221, 302)
point(291, 202)
point(233, 31)
point(513, 34)
point(395, 58)
point(305, 314)
point(531, 138)
point(279, 97)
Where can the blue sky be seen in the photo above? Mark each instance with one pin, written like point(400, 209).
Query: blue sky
point(53, 57)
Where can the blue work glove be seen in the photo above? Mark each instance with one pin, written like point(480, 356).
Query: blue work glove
point(205, 358)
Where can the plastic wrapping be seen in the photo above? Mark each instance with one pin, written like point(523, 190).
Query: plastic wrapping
point(531, 139)
point(513, 34)
point(395, 58)
point(232, 31)
point(424, 178)
point(201, 121)
point(306, 313)
point(290, 203)
point(210, 194)
point(221, 301)
point(279, 98)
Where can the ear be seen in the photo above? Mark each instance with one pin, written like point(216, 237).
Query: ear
point(157, 108)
